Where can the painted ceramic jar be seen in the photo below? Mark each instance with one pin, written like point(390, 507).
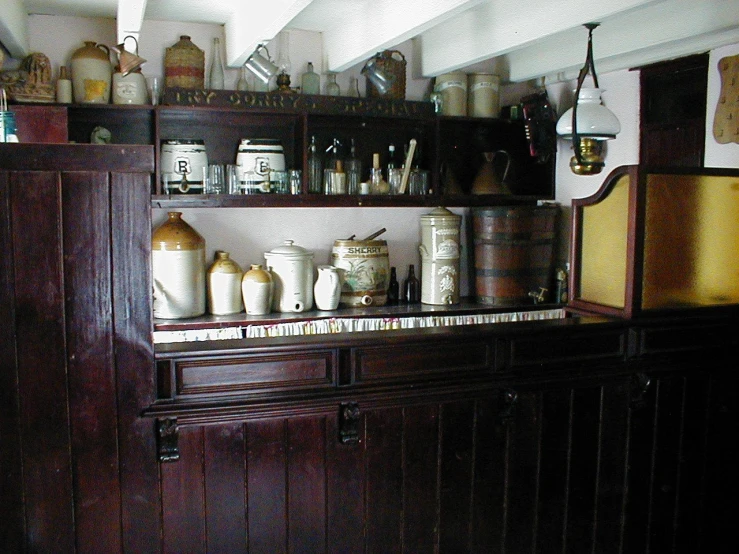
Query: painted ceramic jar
point(91, 74)
point(257, 290)
point(178, 269)
point(292, 272)
point(327, 290)
point(453, 90)
point(224, 285)
point(440, 230)
point(255, 159)
point(130, 88)
point(365, 271)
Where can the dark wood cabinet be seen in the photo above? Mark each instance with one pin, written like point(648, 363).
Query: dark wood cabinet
point(586, 434)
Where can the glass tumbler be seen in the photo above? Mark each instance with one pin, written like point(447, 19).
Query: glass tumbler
point(215, 180)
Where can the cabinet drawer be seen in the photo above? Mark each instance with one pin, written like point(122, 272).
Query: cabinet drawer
point(294, 370)
point(566, 349)
point(423, 360)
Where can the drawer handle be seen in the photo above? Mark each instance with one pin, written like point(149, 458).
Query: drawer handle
point(640, 383)
point(508, 399)
point(349, 423)
point(168, 434)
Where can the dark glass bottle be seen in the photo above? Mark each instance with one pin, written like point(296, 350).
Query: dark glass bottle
point(393, 288)
point(412, 287)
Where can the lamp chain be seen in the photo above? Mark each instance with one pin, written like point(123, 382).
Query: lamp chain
point(589, 67)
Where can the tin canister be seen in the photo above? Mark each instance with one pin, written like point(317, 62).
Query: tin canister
point(365, 271)
point(483, 95)
point(7, 127)
point(440, 232)
point(256, 158)
point(453, 90)
point(182, 164)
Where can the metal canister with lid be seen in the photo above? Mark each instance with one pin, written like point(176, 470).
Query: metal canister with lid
point(440, 232)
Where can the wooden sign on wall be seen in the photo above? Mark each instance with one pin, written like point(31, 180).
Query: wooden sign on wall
point(726, 119)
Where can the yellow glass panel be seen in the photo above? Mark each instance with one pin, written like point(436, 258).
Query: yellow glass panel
point(604, 248)
point(691, 249)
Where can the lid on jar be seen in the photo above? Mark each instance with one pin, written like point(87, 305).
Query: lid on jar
point(289, 249)
point(438, 215)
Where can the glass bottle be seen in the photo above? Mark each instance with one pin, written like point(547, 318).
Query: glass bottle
point(310, 82)
point(353, 167)
point(412, 287)
point(378, 185)
point(393, 288)
point(353, 87)
point(215, 81)
point(242, 84)
point(332, 87)
point(392, 163)
point(315, 168)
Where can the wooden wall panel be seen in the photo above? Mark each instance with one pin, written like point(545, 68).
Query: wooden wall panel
point(183, 496)
point(91, 371)
point(225, 487)
point(306, 484)
point(457, 454)
point(345, 471)
point(134, 360)
point(42, 368)
point(384, 474)
point(266, 485)
point(11, 491)
point(556, 417)
point(420, 478)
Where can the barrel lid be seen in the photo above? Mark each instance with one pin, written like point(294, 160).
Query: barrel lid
point(289, 250)
point(439, 214)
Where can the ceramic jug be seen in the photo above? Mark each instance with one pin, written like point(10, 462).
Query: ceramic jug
point(327, 290)
point(224, 285)
point(91, 74)
point(488, 180)
point(257, 290)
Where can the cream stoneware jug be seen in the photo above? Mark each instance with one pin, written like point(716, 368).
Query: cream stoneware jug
point(327, 290)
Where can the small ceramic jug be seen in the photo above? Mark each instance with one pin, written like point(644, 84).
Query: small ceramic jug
point(257, 290)
point(224, 285)
point(327, 290)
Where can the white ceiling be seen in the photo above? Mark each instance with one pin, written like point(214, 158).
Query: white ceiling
point(524, 39)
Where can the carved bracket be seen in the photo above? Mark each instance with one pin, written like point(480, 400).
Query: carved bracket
point(640, 383)
point(168, 434)
point(349, 423)
point(508, 399)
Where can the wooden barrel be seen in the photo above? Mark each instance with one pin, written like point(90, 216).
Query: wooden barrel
point(514, 252)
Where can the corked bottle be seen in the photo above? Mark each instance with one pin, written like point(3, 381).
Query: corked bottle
point(184, 65)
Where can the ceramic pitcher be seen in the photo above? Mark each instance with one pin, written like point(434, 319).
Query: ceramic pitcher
point(327, 290)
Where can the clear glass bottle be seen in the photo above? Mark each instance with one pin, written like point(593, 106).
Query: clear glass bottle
point(353, 87)
point(217, 73)
point(332, 87)
point(353, 167)
point(315, 168)
point(243, 83)
point(392, 162)
point(378, 185)
point(412, 287)
point(310, 82)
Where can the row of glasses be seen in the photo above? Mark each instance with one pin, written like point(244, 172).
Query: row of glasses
point(231, 179)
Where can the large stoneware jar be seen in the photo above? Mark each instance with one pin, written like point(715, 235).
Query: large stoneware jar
point(440, 230)
point(91, 74)
point(178, 269)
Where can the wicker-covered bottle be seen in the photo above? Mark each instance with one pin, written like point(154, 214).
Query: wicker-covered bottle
point(184, 65)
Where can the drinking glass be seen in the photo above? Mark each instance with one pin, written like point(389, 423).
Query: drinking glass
point(394, 178)
point(295, 177)
point(233, 185)
point(278, 182)
point(216, 180)
point(419, 182)
point(154, 89)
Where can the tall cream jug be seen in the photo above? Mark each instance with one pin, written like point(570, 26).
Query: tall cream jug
point(91, 74)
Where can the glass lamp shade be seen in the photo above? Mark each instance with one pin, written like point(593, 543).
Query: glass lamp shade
point(383, 82)
point(594, 120)
point(260, 66)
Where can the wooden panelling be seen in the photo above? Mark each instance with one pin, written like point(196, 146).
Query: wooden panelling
point(568, 349)
point(90, 367)
point(421, 361)
point(42, 361)
point(315, 369)
point(40, 123)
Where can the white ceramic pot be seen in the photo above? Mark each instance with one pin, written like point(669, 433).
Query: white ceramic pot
point(182, 165)
point(327, 290)
point(292, 274)
point(130, 89)
point(256, 158)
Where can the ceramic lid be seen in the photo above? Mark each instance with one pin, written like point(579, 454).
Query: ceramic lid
point(289, 250)
point(438, 215)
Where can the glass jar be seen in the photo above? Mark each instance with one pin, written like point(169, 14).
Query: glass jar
point(332, 87)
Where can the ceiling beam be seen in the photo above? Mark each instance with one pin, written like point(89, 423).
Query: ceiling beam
point(501, 26)
point(631, 40)
point(14, 28)
point(256, 23)
point(374, 26)
point(129, 17)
